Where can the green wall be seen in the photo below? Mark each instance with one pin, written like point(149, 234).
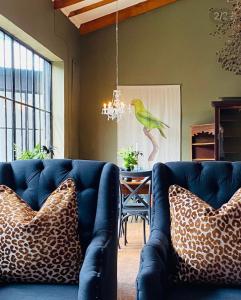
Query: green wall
point(170, 45)
point(52, 29)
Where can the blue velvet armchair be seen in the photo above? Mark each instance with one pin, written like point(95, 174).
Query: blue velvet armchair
point(97, 191)
point(214, 182)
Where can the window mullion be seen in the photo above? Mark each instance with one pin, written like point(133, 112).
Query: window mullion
point(34, 131)
point(51, 109)
point(39, 102)
point(45, 106)
point(5, 94)
point(26, 107)
point(14, 98)
point(21, 99)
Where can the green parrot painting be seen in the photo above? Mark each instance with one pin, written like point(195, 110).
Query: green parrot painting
point(149, 122)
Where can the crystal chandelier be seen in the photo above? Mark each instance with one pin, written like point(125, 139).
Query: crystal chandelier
point(115, 108)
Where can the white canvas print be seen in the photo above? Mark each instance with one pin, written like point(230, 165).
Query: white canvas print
point(153, 124)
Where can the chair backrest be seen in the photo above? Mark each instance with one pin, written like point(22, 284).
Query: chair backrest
point(143, 182)
point(214, 182)
point(35, 180)
point(135, 174)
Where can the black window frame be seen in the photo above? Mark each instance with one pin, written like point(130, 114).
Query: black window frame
point(26, 105)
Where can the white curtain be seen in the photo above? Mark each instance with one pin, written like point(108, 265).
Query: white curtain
point(164, 103)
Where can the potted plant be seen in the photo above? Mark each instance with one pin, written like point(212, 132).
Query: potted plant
point(130, 157)
point(39, 152)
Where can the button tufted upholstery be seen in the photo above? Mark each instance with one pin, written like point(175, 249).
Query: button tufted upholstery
point(97, 192)
point(214, 182)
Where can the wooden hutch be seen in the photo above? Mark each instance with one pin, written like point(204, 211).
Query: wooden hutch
point(203, 142)
point(221, 140)
point(228, 129)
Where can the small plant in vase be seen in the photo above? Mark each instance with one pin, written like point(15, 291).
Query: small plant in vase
point(130, 158)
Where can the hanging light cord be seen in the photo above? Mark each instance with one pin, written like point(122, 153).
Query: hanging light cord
point(117, 44)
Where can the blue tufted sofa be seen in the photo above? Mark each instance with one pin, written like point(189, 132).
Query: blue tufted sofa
point(97, 187)
point(214, 182)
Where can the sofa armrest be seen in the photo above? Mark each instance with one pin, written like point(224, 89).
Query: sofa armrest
point(153, 272)
point(97, 278)
point(98, 275)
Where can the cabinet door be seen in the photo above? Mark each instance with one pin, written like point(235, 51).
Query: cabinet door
point(230, 133)
point(217, 133)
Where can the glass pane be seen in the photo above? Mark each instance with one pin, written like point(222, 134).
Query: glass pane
point(30, 98)
point(30, 118)
point(41, 83)
point(37, 126)
point(30, 77)
point(24, 139)
point(23, 116)
point(30, 139)
point(36, 80)
point(8, 52)
point(23, 57)
point(43, 132)
point(8, 66)
point(2, 145)
point(9, 114)
point(37, 121)
point(2, 64)
point(2, 113)
point(24, 127)
point(18, 116)
point(16, 52)
point(48, 82)
point(9, 145)
point(37, 139)
point(23, 97)
point(18, 142)
point(23, 73)
point(48, 131)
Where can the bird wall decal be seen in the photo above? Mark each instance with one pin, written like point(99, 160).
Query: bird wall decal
point(149, 122)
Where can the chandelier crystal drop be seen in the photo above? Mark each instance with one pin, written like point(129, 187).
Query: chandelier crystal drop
point(115, 108)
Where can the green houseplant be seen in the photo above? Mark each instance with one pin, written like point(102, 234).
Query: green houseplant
point(130, 157)
point(39, 152)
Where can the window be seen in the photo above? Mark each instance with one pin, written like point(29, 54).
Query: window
point(25, 98)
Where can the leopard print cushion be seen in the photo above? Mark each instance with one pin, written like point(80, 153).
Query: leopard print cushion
point(40, 246)
point(206, 242)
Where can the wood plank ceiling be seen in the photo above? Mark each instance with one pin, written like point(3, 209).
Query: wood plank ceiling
point(91, 15)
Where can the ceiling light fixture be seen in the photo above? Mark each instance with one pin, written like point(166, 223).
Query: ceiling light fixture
point(115, 108)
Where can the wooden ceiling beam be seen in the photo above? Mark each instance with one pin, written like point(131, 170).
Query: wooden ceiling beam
point(89, 7)
point(58, 4)
point(124, 14)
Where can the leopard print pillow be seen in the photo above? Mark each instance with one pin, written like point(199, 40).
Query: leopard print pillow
point(206, 242)
point(40, 246)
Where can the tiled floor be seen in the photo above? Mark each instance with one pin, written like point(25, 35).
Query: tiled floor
point(128, 261)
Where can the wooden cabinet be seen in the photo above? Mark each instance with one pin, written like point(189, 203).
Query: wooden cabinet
point(228, 129)
point(203, 142)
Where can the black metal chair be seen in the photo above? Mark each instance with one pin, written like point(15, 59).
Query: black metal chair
point(132, 200)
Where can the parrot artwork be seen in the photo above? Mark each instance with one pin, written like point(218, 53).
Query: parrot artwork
point(149, 122)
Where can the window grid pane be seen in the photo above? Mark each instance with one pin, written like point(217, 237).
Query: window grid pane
point(25, 98)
